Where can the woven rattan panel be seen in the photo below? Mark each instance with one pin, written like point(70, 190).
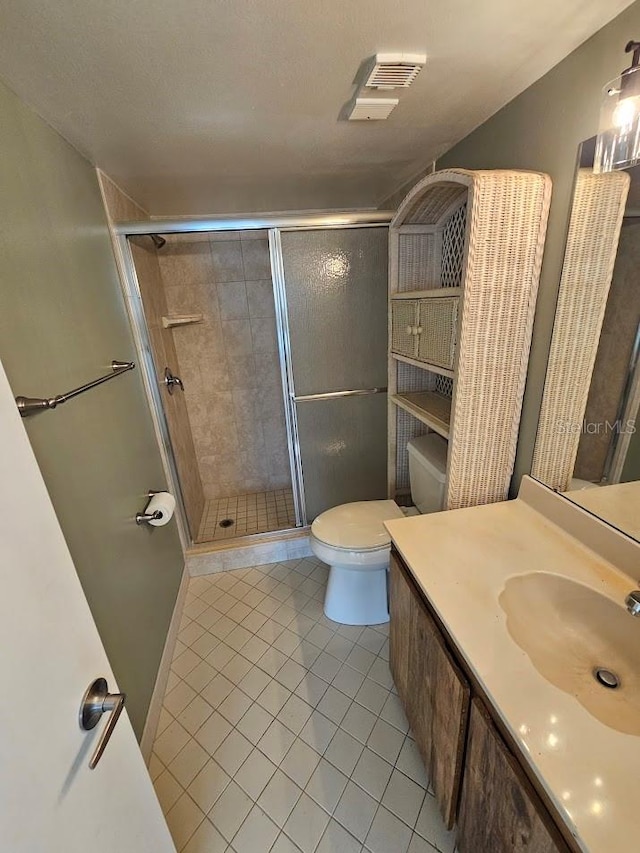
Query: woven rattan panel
point(507, 219)
point(409, 379)
point(437, 341)
point(444, 386)
point(429, 209)
point(592, 242)
point(407, 427)
point(404, 319)
point(453, 248)
point(412, 378)
point(418, 267)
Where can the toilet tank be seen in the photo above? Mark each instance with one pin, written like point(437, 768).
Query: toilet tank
point(427, 471)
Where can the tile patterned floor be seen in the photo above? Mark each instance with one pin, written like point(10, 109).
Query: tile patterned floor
point(281, 731)
point(255, 513)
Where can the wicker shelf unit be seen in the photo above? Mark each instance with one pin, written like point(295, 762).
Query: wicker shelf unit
point(465, 255)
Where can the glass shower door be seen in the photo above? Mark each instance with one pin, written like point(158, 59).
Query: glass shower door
point(334, 299)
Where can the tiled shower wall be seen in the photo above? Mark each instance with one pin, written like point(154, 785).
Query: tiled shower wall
point(229, 362)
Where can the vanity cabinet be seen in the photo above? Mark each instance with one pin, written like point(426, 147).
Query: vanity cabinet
point(497, 810)
point(434, 692)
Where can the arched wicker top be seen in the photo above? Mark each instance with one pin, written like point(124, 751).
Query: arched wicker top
point(434, 197)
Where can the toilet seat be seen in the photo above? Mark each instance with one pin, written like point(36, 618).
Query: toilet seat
point(356, 526)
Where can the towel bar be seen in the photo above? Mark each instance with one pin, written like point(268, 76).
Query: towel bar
point(31, 405)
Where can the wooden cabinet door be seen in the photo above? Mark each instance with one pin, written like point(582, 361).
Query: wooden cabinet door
point(438, 710)
point(499, 810)
point(434, 692)
point(401, 632)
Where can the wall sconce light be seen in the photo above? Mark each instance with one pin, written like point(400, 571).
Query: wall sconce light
point(618, 141)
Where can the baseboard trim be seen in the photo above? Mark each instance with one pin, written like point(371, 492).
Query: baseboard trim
point(155, 706)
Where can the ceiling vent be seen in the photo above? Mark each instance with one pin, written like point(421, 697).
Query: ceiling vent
point(395, 70)
point(372, 109)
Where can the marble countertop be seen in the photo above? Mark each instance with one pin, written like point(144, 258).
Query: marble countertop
point(462, 560)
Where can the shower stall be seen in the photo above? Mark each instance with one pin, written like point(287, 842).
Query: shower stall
point(263, 348)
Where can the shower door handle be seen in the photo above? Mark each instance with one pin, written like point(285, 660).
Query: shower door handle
point(170, 380)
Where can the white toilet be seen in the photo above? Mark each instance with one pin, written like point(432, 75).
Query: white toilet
point(353, 540)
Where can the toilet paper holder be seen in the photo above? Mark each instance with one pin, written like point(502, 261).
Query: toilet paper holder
point(145, 517)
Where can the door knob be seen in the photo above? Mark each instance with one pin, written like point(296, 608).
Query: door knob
point(96, 702)
point(170, 380)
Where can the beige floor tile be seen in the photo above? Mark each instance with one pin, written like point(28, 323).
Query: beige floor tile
point(208, 785)
point(168, 790)
point(188, 763)
point(206, 839)
point(183, 819)
point(286, 732)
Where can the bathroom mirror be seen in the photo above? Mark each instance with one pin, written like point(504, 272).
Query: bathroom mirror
point(588, 439)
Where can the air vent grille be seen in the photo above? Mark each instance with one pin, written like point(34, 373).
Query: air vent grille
point(372, 109)
point(395, 70)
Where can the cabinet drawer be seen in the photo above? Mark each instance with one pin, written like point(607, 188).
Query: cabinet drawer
point(404, 327)
point(499, 811)
point(437, 321)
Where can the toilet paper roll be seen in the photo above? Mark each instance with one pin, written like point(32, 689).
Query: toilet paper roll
point(165, 504)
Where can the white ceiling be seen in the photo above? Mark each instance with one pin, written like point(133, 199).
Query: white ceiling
point(221, 106)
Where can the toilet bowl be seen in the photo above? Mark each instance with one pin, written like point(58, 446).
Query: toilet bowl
point(353, 541)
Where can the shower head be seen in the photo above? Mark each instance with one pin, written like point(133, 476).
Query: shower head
point(158, 241)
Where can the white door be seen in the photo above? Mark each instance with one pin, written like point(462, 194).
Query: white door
point(50, 651)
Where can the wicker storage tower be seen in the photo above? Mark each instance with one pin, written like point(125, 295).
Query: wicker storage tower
point(465, 255)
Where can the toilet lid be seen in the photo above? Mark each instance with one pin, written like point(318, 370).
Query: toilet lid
point(356, 525)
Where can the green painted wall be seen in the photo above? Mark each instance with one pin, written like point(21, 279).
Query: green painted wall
point(62, 320)
point(541, 130)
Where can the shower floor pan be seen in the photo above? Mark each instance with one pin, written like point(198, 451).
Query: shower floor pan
point(241, 515)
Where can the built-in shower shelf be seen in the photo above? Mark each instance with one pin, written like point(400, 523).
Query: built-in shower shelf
point(182, 320)
point(429, 407)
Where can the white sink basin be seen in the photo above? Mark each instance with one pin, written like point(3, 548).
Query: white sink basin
point(568, 631)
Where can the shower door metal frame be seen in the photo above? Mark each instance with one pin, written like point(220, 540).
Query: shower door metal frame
point(286, 373)
point(142, 339)
point(286, 363)
point(273, 224)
